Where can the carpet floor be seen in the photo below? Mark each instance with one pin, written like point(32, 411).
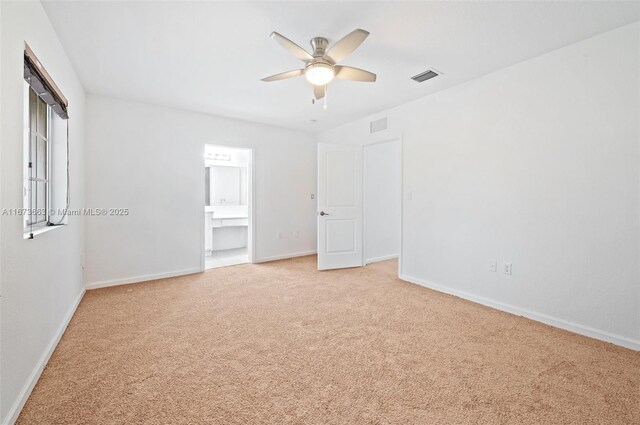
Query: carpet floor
point(280, 343)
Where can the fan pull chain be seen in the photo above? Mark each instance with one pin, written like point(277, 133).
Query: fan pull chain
point(325, 97)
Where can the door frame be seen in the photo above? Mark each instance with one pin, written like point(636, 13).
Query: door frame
point(251, 207)
point(372, 139)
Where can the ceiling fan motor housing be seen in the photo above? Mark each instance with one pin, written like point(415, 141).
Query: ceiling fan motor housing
point(319, 45)
point(319, 71)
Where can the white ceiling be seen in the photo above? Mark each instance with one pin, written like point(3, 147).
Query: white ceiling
point(210, 56)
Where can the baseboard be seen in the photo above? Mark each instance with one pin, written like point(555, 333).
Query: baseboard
point(143, 278)
point(384, 258)
point(538, 317)
point(16, 408)
point(285, 256)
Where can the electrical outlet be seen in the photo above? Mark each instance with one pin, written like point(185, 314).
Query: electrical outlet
point(313, 196)
point(279, 235)
point(506, 268)
point(493, 266)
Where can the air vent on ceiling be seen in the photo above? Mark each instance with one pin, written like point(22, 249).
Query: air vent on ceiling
point(424, 76)
point(378, 125)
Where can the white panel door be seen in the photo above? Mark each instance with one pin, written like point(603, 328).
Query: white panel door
point(339, 206)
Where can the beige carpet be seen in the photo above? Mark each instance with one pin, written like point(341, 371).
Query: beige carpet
point(280, 343)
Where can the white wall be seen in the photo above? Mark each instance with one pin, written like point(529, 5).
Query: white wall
point(41, 280)
point(150, 159)
point(536, 165)
point(381, 225)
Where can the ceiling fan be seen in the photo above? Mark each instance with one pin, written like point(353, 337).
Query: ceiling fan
point(321, 66)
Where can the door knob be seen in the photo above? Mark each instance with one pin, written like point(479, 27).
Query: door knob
point(323, 213)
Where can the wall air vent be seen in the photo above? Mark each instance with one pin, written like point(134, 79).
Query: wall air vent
point(378, 125)
point(424, 76)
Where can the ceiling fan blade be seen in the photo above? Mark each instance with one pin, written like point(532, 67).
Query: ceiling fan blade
point(354, 74)
point(345, 46)
point(283, 75)
point(292, 47)
point(318, 92)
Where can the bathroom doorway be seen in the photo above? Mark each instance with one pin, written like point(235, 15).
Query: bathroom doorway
point(228, 205)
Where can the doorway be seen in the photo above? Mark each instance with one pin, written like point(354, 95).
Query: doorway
point(228, 230)
point(382, 199)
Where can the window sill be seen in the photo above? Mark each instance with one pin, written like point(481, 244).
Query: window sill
point(38, 230)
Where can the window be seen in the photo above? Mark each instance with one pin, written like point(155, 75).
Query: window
point(38, 161)
point(46, 150)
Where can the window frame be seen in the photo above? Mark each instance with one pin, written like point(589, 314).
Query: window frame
point(33, 163)
point(46, 199)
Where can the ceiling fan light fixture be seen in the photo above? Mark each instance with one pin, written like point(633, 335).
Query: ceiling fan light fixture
point(319, 73)
point(323, 65)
